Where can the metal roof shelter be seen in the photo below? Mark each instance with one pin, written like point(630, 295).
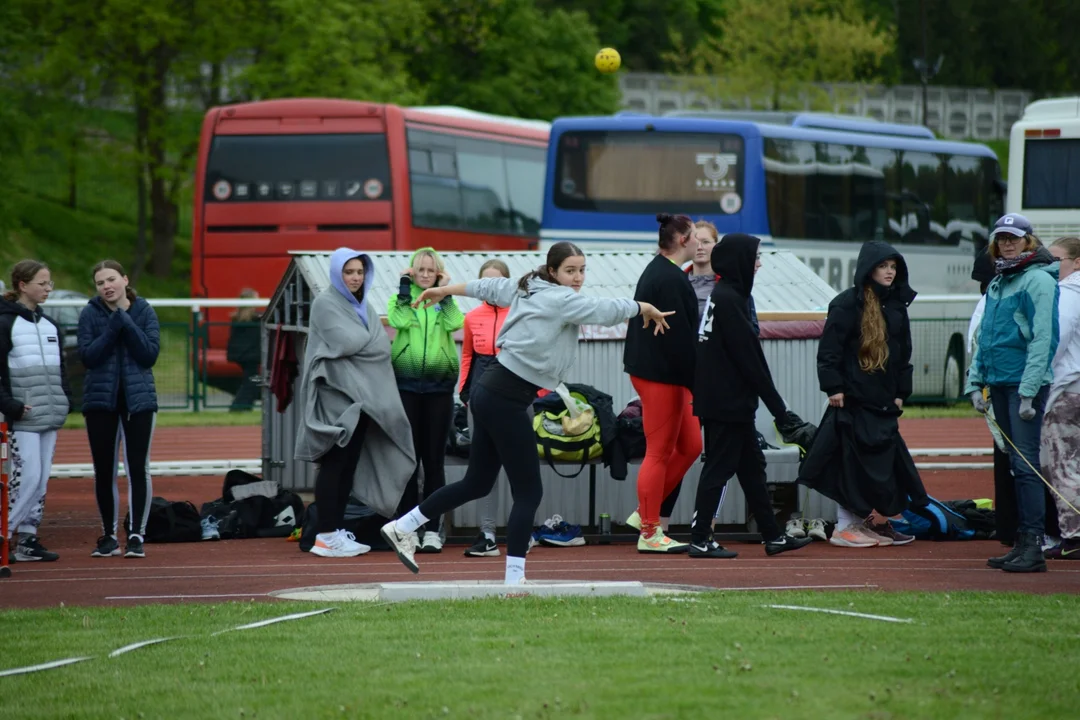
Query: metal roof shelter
point(784, 290)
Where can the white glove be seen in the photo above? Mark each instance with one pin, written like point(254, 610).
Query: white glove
point(1026, 411)
point(978, 401)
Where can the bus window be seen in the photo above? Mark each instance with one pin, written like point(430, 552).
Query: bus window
point(644, 172)
point(1051, 174)
point(525, 183)
point(297, 168)
point(967, 191)
point(923, 201)
point(483, 182)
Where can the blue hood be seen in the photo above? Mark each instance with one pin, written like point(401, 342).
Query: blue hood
point(337, 263)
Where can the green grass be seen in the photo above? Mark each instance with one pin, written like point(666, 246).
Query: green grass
point(934, 412)
point(187, 418)
point(967, 655)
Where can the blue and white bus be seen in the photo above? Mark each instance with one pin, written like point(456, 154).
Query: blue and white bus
point(813, 184)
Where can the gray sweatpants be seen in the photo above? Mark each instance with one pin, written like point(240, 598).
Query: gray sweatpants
point(1060, 456)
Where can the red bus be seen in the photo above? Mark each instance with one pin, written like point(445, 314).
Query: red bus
point(317, 174)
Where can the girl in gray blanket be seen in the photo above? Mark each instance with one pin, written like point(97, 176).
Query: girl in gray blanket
point(538, 346)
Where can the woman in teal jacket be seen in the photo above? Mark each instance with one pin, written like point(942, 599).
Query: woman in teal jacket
point(1017, 340)
point(425, 360)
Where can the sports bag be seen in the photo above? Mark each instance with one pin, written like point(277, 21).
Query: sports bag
point(569, 435)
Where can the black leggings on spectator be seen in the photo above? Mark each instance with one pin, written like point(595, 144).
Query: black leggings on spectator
point(503, 437)
point(103, 430)
point(430, 415)
point(334, 483)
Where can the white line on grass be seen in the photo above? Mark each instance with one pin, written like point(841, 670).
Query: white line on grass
point(271, 621)
point(885, 618)
point(144, 643)
point(43, 666)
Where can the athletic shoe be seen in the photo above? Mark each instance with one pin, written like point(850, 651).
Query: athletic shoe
point(816, 529)
point(431, 543)
point(634, 520)
point(852, 536)
point(784, 543)
point(1068, 549)
point(796, 528)
point(210, 528)
point(134, 547)
point(404, 544)
point(30, 549)
point(711, 549)
point(338, 544)
point(107, 546)
point(881, 540)
point(887, 530)
point(483, 547)
point(658, 542)
point(560, 533)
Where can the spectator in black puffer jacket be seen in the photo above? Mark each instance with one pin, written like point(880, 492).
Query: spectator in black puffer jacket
point(34, 399)
point(119, 340)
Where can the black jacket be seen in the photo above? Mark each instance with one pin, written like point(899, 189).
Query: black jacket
point(731, 372)
point(838, 352)
point(667, 358)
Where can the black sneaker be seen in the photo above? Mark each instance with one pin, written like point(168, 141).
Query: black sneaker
point(483, 547)
point(785, 543)
point(31, 550)
point(711, 549)
point(107, 546)
point(134, 548)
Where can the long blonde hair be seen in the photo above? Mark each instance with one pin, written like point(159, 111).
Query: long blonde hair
point(874, 350)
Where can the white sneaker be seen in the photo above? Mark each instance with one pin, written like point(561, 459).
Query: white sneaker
point(431, 543)
point(404, 544)
point(338, 544)
point(795, 528)
point(816, 529)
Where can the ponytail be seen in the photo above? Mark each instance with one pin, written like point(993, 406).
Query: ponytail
point(540, 273)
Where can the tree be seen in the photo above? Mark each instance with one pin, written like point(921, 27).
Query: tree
point(777, 50)
point(507, 57)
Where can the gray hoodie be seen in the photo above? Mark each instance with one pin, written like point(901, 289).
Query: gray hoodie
point(539, 338)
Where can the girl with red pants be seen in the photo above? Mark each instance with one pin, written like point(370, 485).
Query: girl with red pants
point(661, 370)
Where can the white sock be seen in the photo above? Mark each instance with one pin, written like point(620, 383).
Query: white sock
point(515, 569)
point(845, 517)
point(411, 520)
point(490, 536)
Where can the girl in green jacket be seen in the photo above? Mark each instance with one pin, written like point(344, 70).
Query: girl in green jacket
point(425, 363)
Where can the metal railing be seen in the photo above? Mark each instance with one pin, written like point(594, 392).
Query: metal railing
point(193, 371)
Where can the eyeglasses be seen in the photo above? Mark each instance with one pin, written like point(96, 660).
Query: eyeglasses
point(1008, 240)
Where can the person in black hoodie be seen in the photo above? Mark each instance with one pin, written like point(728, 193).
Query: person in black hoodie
point(661, 369)
point(858, 457)
point(731, 374)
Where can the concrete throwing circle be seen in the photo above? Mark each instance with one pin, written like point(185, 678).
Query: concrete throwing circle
point(472, 589)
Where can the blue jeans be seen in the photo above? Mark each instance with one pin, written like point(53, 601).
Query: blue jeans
point(1025, 435)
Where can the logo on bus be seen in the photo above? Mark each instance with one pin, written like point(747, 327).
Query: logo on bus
point(730, 203)
point(222, 190)
point(715, 167)
point(372, 189)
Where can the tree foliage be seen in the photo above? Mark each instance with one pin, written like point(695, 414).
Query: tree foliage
point(779, 49)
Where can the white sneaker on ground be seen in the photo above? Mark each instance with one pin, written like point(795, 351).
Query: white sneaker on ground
point(404, 544)
point(338, 544)
point(852, 536)
point(795, 528)
point(431, 543)
point(816, 529)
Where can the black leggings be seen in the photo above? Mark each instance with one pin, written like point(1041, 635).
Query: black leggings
point(503, 437)
point(103, 430)
point(334, 483)
point(430, 415)
point(732, 449)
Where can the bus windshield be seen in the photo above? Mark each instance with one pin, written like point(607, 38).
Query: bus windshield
point(1052, 174)
point(648, 172)
point(322, 167)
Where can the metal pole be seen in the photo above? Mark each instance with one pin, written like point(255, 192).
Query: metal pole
point(925, 74)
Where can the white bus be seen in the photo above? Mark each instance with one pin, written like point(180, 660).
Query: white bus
point(1044, 167)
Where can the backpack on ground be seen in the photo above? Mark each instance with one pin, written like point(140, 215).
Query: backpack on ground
point(563, 437)
point(250, 506)
point(170, 522)
point(936, 521)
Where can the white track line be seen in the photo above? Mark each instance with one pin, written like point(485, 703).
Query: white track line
point(144, 643)
point(43, 666)
point(271, 621)
point(884, 618)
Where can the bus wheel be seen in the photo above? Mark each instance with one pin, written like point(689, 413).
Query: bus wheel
point(952, 388)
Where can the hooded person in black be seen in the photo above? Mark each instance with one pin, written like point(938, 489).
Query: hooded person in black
point(858, 458)
point(730, 375)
